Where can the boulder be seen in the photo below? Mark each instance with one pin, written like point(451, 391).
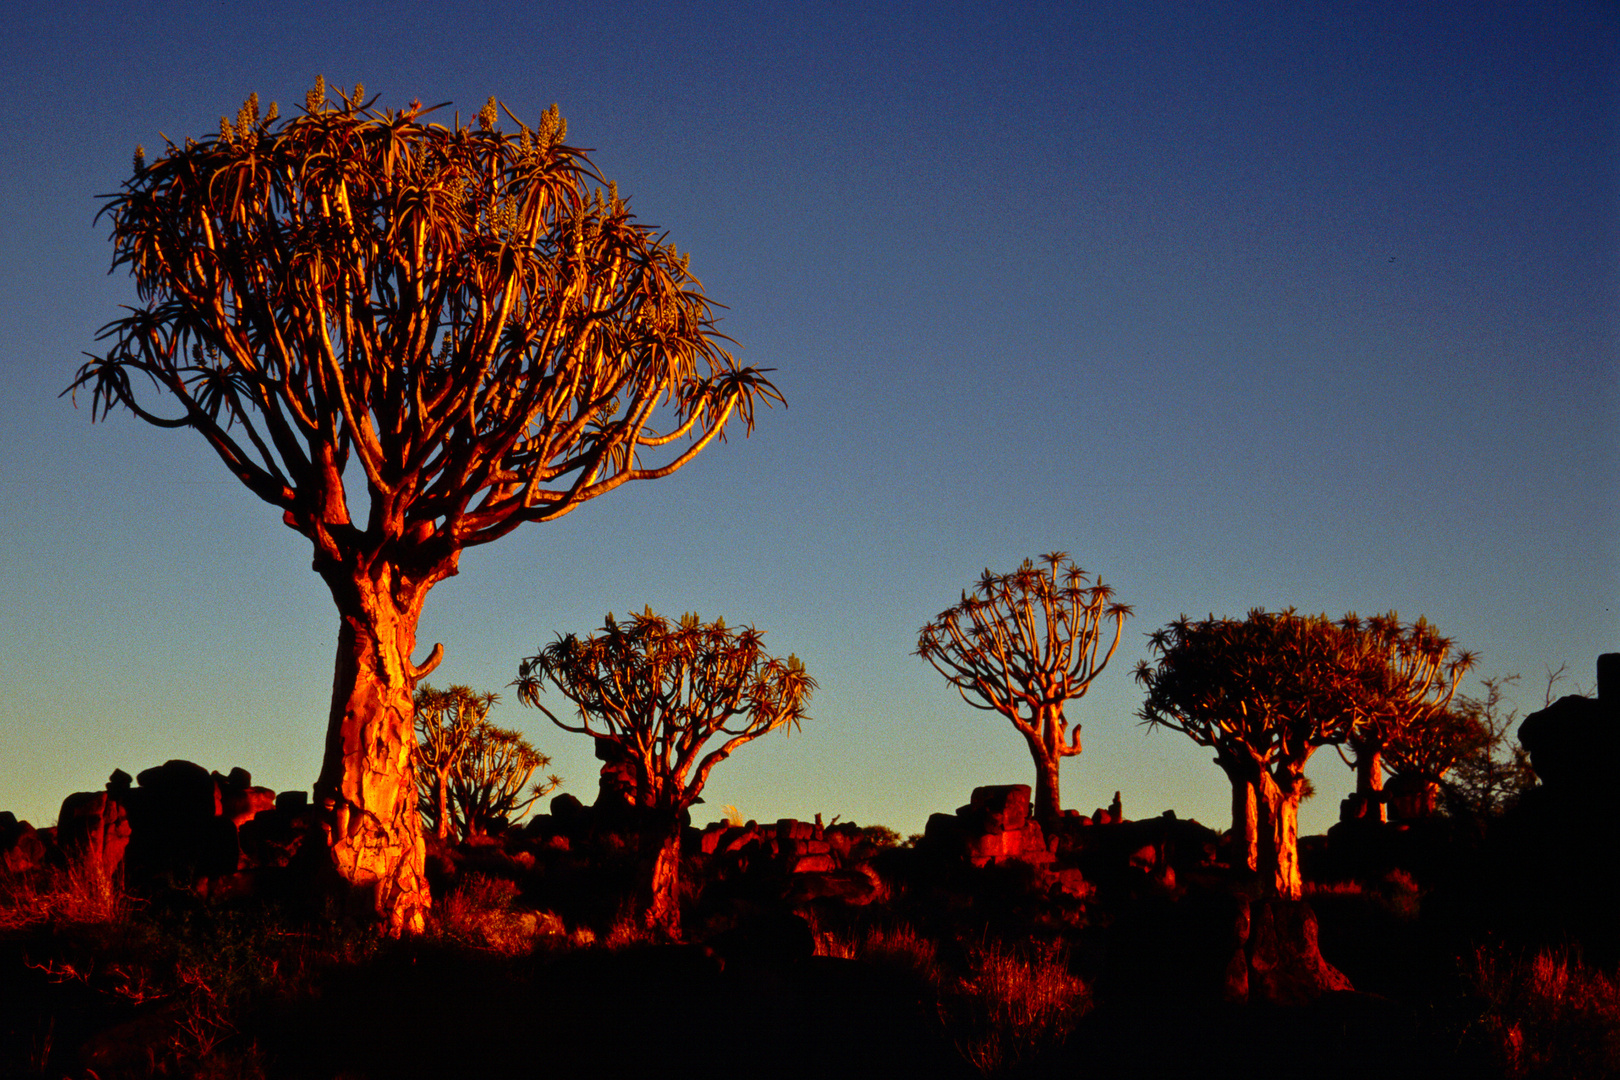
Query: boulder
point(1000, 807)
point(93, 831)
point(178, 831)
point(21, 848)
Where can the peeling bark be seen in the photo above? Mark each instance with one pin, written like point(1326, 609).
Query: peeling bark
point(663, 904)
point(1370, 781)
point(366, 793)
point(1245, 822)
point(1279, 817)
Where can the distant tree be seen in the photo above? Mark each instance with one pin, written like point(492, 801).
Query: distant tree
point(1408, 675)
point(447, 318)
point(1023, 645)
point(472, 776)
point(445, 722)
point(659, 691)
point(1493, 770)
point(490, 789)
point(1264, 693)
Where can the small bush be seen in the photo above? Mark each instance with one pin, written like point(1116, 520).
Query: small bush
point(482, 912)
point(1548, 1015)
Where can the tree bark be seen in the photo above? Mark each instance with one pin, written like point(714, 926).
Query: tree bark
point(1245, 822)
point(366, 793)
point(1279, 813)
point(663, 911)
point(1048, 807)
point(1370, 781)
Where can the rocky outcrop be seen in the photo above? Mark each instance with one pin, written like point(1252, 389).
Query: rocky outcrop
point(806, 860)
point(174, 824)
point(994, 827)
point(1564, 835)
point(1574, 742)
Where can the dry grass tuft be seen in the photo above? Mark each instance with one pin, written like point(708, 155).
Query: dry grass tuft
point(76, 895)
point(1011, 1005)
point(1003, 1007)
point(1548, 1015)
point(482, 912)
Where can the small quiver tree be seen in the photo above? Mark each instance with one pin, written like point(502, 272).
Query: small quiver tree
point(445, 720)
point(660, 692)
point(451, 321)
point(1023, 645)
point(490, 788)
point(471, 775)
point(1407, 678)
point(1262, 692)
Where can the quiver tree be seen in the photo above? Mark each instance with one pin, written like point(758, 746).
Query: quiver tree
point(1408, 675)
point(660, 692)
point(472, 776)
point(1262, 692)
point(1023, 645)
point(450, 319)
point(445, 722)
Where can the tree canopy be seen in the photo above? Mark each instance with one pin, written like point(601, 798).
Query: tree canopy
point(454, 310)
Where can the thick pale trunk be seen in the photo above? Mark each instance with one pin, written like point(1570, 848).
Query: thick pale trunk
point(1245, 822)
point(1279, 814)
point(663, 912)
point(1043, 748)
point(1370, 782)
point(1047, 805)
point(367, 790)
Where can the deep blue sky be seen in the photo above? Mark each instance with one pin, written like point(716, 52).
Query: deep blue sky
point(1298, 305)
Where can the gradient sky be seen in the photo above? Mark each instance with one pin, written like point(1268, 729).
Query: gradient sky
point(1305, 304)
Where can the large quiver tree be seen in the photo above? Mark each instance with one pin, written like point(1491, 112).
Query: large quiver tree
point(446, 316)
point(675, 700)
point(1409, 674)
point(1023, 645)
point(1264, 693)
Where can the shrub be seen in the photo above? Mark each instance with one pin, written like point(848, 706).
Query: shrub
point(481, 912)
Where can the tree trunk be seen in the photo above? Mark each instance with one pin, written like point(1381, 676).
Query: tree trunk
point(1279, 813)
point(663, 914)
point(1047, 805)
point(1370, 781)
point(366, 792)
point(1245, 822)
point(443, 820)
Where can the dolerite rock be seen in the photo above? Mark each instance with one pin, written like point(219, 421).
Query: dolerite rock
point(994, 827)
point(1562, 840)
point(93, 832)
point(1573, 742)
point(178, 831)
point(21, 848)
point(999, 807)
point(239, 800)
